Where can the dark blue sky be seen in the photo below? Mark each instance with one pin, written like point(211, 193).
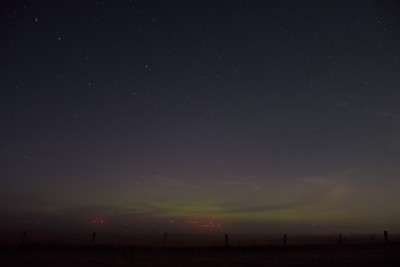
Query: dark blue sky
point(237, 111)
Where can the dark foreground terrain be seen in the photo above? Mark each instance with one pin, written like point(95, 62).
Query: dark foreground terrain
point(310, 255)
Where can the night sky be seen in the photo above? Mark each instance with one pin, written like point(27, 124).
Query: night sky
point(153, 113)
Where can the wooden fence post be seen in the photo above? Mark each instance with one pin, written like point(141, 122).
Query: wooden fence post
point(340, 239)
point(23, 238)
point(226, 241)
point(165, 239)
point(284, 240)
point(93, 238)
point(385, 235)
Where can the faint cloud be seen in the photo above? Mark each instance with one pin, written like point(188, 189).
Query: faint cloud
point(28, 157)
point(172, 182)
point(36, 159)
point(330, 189)
point(396, 144)
point(383, 114)
point(252, 185)
point(235, 208)
point(347, 173)
point(343, 104)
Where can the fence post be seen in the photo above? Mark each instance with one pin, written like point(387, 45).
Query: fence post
point(226, 241)
point(93, 238)
point(340, 239)
point(165, 239)
point(23, 238)
point(284, 240)
point(385, 234)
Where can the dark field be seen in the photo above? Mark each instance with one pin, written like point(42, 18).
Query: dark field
point(253, 255)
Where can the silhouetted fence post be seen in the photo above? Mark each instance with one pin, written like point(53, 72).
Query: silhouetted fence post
point(340, 239)
point(385, 234)
point(23, 238)
point(226, 241)
point(93, 238)
point(165, 239)
point(284, 240)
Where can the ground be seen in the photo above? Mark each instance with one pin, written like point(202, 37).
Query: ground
point(307, 255)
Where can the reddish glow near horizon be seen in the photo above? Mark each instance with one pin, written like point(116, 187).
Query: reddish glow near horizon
point(192, 222)
point(97, 221)
point(210, 225)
